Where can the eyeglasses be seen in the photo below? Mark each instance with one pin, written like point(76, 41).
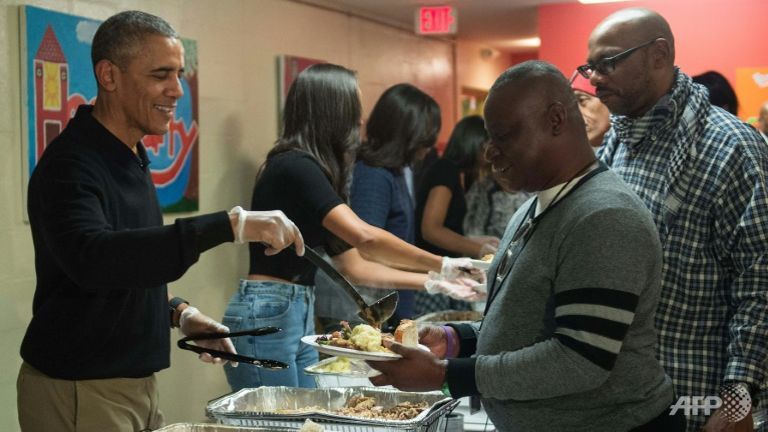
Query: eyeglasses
point(607, 65)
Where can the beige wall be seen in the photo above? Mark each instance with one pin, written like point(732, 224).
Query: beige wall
point(478, 66)
point(238, 41)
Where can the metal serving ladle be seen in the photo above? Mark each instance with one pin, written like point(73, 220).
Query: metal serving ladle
point(373, 314)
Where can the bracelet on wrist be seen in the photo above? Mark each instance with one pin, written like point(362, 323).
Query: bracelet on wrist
point(173, 305)
point(445, 389)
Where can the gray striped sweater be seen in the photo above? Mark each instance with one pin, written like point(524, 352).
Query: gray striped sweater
point(568, 341)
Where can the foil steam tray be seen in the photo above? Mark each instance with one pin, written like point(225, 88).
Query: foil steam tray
point(204, 427)
point(259, 406)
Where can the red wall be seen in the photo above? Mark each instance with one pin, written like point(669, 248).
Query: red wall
point(515, 58)
point(709, 34)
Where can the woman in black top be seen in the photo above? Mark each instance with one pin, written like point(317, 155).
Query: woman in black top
point(440, 206)
point(305, 176)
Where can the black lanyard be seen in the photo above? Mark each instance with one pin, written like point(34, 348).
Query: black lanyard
point(523, 233)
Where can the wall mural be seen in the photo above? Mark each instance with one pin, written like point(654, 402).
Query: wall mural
point(57, 77)
point(752, 91)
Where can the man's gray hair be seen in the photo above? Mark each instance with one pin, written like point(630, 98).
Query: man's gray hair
point(546, 80)
point(530, 69)
point(121, 36)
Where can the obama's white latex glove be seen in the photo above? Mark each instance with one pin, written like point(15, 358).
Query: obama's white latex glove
point(194, 322)
point(272, 228)
point(461, 288)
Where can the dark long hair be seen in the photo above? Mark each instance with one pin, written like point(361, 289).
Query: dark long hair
point(322, 118)
point(403, 121)
point(464, 145)
point(720, 91)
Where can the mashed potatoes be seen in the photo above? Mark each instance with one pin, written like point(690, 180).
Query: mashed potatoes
point(367, 338)
point(340, 365)
point(362, 338)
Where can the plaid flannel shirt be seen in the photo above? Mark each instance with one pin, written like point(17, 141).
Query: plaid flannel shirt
point(701, 172)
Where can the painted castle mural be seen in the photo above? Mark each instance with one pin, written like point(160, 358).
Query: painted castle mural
point(58, 77)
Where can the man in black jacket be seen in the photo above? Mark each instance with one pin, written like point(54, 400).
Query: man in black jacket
point(102, 311)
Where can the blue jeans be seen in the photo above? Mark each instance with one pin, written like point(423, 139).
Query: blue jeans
point(267, 303)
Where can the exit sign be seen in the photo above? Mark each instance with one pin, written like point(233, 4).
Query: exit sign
point(436, 20)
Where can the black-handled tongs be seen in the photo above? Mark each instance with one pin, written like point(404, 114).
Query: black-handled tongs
point(265, 363)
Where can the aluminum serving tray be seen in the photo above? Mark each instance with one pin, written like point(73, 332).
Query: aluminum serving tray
point(202, 427)
point(257, 406)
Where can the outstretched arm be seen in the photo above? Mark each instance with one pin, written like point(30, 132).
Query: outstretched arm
point(433, 227)
point(372, 274)
point(377, 243)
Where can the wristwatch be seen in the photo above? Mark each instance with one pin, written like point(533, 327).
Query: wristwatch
point(172, 305)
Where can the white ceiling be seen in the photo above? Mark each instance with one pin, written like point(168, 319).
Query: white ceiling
point(497, 23)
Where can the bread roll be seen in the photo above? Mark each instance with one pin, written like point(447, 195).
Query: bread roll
point(407, 333)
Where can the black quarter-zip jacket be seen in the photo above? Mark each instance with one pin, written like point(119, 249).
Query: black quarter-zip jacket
point(103, 257)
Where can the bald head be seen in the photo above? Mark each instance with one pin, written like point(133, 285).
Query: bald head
point(538, 137)
point(634, 26)
point(632, 56)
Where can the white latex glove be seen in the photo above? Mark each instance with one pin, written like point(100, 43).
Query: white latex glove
point(453, 268)
point(460, 288)
point(193, 322)
point(272, 227)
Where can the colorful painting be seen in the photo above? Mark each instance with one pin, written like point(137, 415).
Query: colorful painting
point(752, 91)
point(289, 67)
point(57, 77)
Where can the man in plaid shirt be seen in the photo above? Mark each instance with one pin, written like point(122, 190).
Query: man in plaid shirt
point(701, 172)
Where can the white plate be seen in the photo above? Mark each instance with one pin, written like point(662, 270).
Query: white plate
point(352, 353)
point(357, 369)
point(348, 352)
point(483, 265)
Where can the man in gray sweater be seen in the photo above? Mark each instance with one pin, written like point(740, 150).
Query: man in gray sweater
point(567, 343)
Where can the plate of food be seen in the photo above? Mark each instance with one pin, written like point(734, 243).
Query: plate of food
point(364, 342)
point(351, 353)
point(341, 366)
